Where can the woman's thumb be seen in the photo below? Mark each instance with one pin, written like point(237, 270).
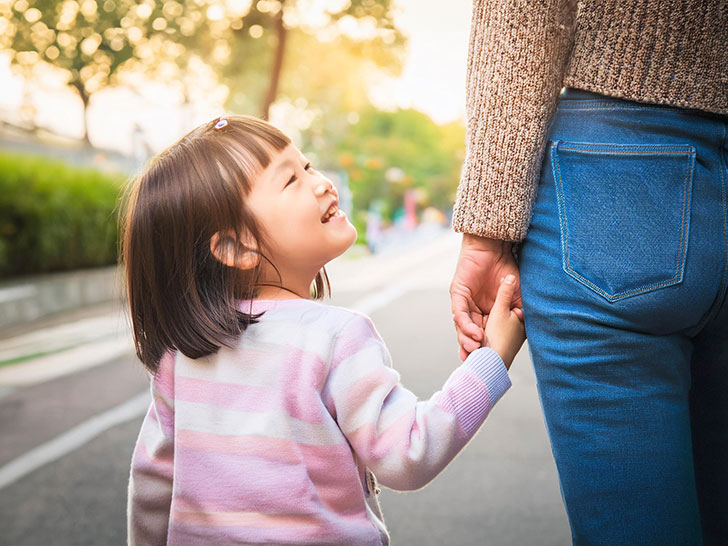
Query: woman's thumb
point(505, 294)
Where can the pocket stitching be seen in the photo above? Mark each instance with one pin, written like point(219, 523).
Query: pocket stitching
point(687, 150)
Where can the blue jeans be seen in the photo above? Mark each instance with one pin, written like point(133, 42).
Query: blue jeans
point(624, 273)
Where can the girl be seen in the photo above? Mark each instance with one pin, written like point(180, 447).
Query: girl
point(271, 411)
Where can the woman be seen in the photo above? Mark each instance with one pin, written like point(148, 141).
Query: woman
point(613, 198)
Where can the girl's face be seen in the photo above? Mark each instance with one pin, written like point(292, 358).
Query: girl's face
point(297, 207)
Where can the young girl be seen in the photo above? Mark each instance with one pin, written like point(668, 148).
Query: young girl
point(272, 412)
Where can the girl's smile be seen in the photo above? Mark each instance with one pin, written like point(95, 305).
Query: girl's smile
point(298, 209)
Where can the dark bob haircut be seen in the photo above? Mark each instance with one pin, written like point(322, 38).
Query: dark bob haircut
point(180, 296)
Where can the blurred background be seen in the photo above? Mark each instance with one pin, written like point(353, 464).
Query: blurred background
point(372, 91)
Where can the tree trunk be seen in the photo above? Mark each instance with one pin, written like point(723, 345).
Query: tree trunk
point(277, 64)
point(85, 99)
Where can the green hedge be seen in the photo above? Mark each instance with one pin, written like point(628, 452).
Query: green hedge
point(54, 217)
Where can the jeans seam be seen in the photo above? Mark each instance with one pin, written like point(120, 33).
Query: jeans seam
point(684, 231)
point(722, 166)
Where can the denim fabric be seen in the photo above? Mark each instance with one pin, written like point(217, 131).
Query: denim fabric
point(623, 276)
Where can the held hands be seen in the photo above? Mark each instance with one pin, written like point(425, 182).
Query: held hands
point(481, 266)
point(504, 330)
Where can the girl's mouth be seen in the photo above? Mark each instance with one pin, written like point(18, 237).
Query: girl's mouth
point(333, 212)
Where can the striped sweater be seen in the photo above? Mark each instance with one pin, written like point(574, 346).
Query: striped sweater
point(277, 440)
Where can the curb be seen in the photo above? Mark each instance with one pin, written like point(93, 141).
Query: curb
point(27, 299)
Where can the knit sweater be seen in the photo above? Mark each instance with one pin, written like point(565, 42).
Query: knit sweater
point(521, 53)
point(275, 440)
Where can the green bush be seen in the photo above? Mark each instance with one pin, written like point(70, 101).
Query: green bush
point(54, 217)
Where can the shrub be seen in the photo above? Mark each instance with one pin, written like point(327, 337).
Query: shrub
point(54, 217)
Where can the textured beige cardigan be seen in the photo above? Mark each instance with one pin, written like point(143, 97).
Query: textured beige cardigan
point(522, 52)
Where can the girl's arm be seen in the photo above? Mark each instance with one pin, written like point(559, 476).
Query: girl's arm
point(150, 483)
point(406, 442)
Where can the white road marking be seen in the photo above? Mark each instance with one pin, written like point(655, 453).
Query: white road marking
point(56, 365)
point(65, 335)
point(72, 439)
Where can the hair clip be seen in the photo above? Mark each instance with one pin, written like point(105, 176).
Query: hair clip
point(220, 124)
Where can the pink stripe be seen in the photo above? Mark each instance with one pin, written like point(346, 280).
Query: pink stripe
point(378, 444)
point(327, 474)
point(161, 415)
point(328, 533)
point(336, 477)
point(301, 376)
point(164, 378)
point(379, 382)
point(276, 449)
point(214, 482)
point(358, 334)
point(226, 395)
point(159, 463)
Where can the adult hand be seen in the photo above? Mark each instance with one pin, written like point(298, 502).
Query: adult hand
point(481, 266)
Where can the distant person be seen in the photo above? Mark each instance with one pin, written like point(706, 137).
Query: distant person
point(623, 181)
point(271, 412)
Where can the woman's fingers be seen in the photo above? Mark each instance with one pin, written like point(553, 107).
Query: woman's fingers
point(467, 343)
point(461, 315)
point(463, 355)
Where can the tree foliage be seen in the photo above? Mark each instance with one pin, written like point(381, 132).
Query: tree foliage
point(94, 40)
point(324, 40)
point(386, 153)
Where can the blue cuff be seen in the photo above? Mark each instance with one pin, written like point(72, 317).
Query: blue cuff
point(489, 367)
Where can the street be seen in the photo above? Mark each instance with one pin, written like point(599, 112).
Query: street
point(502, 490)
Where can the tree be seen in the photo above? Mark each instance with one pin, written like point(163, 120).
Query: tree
point(385, 153)
point(95, 40)
point(302, 43)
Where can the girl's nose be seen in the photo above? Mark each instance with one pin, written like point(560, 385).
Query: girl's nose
point(324, 186)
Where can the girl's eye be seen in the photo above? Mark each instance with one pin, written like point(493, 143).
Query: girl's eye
point(308, 167)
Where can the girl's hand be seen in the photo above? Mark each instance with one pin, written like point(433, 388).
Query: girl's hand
point(504, 330)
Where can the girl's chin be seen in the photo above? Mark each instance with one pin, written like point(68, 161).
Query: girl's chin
point(349, 241)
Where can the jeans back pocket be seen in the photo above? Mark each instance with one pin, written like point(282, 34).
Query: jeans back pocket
point(624, 212)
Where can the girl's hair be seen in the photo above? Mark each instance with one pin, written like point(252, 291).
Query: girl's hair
point(180, 296)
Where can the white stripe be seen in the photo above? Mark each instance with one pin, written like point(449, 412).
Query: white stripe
point(199, 417)
point(72, 439)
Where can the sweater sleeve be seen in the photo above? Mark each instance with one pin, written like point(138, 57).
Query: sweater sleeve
point(406, 442)
point(516, 61)
point(150, 482)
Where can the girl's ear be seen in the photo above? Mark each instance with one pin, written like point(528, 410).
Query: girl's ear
point(232, 252)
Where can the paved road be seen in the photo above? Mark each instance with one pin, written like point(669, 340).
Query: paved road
point(502, 490)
